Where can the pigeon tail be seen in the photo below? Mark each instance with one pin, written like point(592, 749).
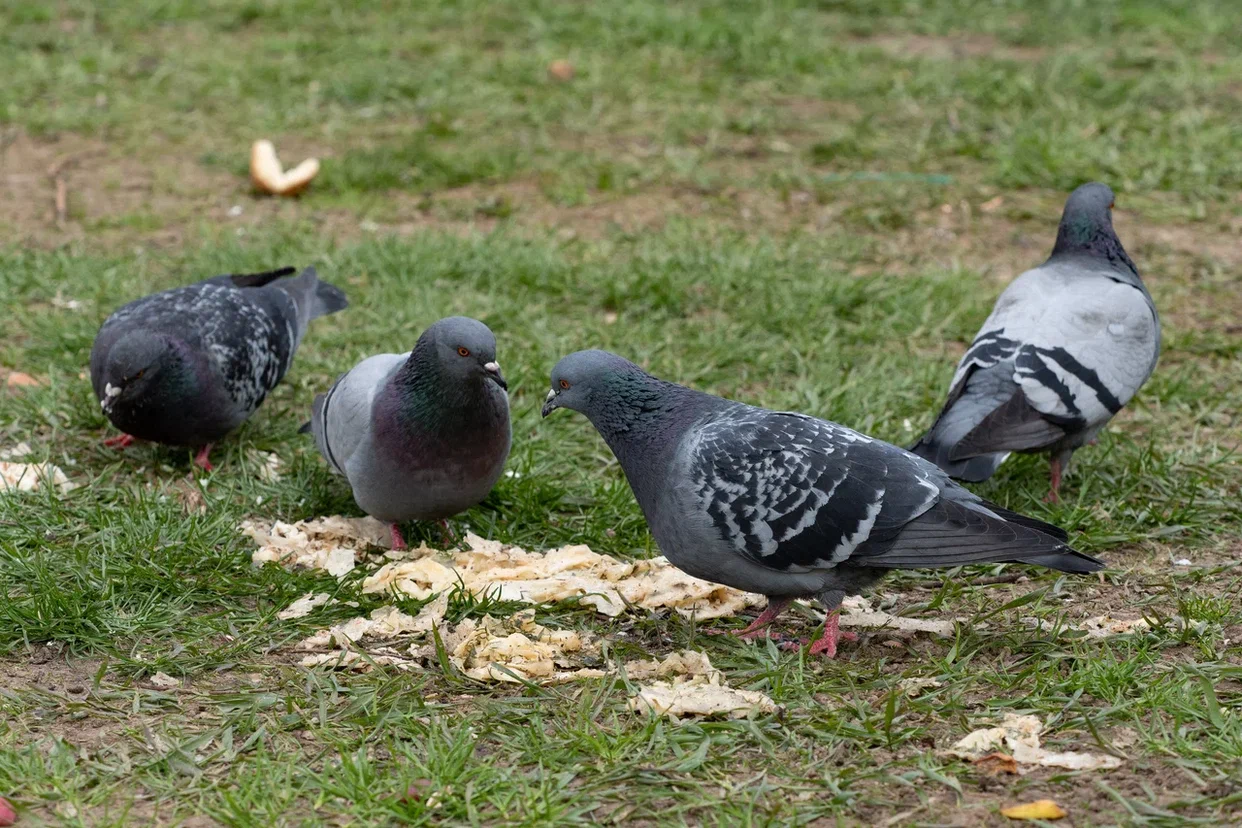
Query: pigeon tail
point(971, 469)
point(313, 297)
point(1068, 560)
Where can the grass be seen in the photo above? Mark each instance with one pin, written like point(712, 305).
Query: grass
point(792, 204)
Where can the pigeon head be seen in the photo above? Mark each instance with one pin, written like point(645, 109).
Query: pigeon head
point(1087, 224)
point(465, 350)
point(586, 380)
point(138, 363)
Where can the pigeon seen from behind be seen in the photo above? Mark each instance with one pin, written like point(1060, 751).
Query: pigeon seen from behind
point(784, 504)
point(186, 366)
point(1067, 345)
point(421, 435)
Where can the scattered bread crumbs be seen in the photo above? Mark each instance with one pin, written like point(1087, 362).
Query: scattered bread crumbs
point(1018, 736)
point(303, 606)
point(27, 477)
point(327, 543)
point(700, 696)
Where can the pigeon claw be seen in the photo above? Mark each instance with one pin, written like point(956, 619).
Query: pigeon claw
point(119, 442)
point(200, 459)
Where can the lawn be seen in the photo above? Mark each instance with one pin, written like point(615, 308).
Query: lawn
point(801, 205)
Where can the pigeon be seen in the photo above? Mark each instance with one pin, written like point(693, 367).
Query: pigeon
point(421, 435)
point(186, 366)
point(1067, 345)
point(784, 504)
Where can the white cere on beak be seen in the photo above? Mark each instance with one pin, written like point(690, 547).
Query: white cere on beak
point(494, 367)
point(111, 390)
point(551, 394)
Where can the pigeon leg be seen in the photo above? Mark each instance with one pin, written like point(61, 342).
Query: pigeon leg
point(449, 537)
point(120, 442)
point(1054, 479)
point(201, 460)
point(756, 628)
point(827, 643)
point(398, 542)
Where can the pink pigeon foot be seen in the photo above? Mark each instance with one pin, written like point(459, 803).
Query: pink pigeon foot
point(120, 442)
point(827, 643)
point(398, 542)
point(756, 628)
point(201, 460)
point(449, 537)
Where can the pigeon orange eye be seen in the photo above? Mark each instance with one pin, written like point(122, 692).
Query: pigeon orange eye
point(564, 383)
point(464, 351)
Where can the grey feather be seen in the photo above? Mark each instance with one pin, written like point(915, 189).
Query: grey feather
point(785, 504)
point(1067, 345)
point(186, 366)
point(421, 435)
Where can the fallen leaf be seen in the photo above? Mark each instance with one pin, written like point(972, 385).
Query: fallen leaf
point(268, 175)
point(303, 606)
point(164, 681)
point(27, 477)
point(191, 496)
point(994, 764)
point(1039, 809)
point(18, 379)
point(1019, 736)
point(560, 70)
point(916, 686)
point(992, 204)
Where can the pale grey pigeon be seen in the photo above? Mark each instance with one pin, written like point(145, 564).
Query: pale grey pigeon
point(186, 366)
point(784, 504)
point(421, 435)
point(1067, 345)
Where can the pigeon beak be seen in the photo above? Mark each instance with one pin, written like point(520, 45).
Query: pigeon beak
point(549, 404)
point(493, 370)
point(111, 392)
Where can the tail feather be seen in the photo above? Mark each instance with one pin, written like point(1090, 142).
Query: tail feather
point(245, 280)
point(971, 469)
point(1029, 522)
point(1069, 560)
point(306, 428)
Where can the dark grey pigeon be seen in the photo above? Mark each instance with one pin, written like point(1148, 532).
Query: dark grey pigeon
point(421, 435)
point(1067, 345)
point(784, 504)
point(186, 366)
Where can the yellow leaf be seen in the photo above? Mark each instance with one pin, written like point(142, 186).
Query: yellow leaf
point(1039, 809)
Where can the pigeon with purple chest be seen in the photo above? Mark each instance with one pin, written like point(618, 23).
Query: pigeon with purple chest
point(1068, 344)
point(784, 504)
point(186, 366)
point(421, 435)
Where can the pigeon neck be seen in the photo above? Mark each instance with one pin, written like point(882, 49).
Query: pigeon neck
point(426, 397)
point(640, 414)
point(1085, 236)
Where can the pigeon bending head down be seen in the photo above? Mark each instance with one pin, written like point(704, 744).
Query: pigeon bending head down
point(421, 435)
point(186, 366)
point(784, 504)
point(1067, 346)
point(141, 363)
